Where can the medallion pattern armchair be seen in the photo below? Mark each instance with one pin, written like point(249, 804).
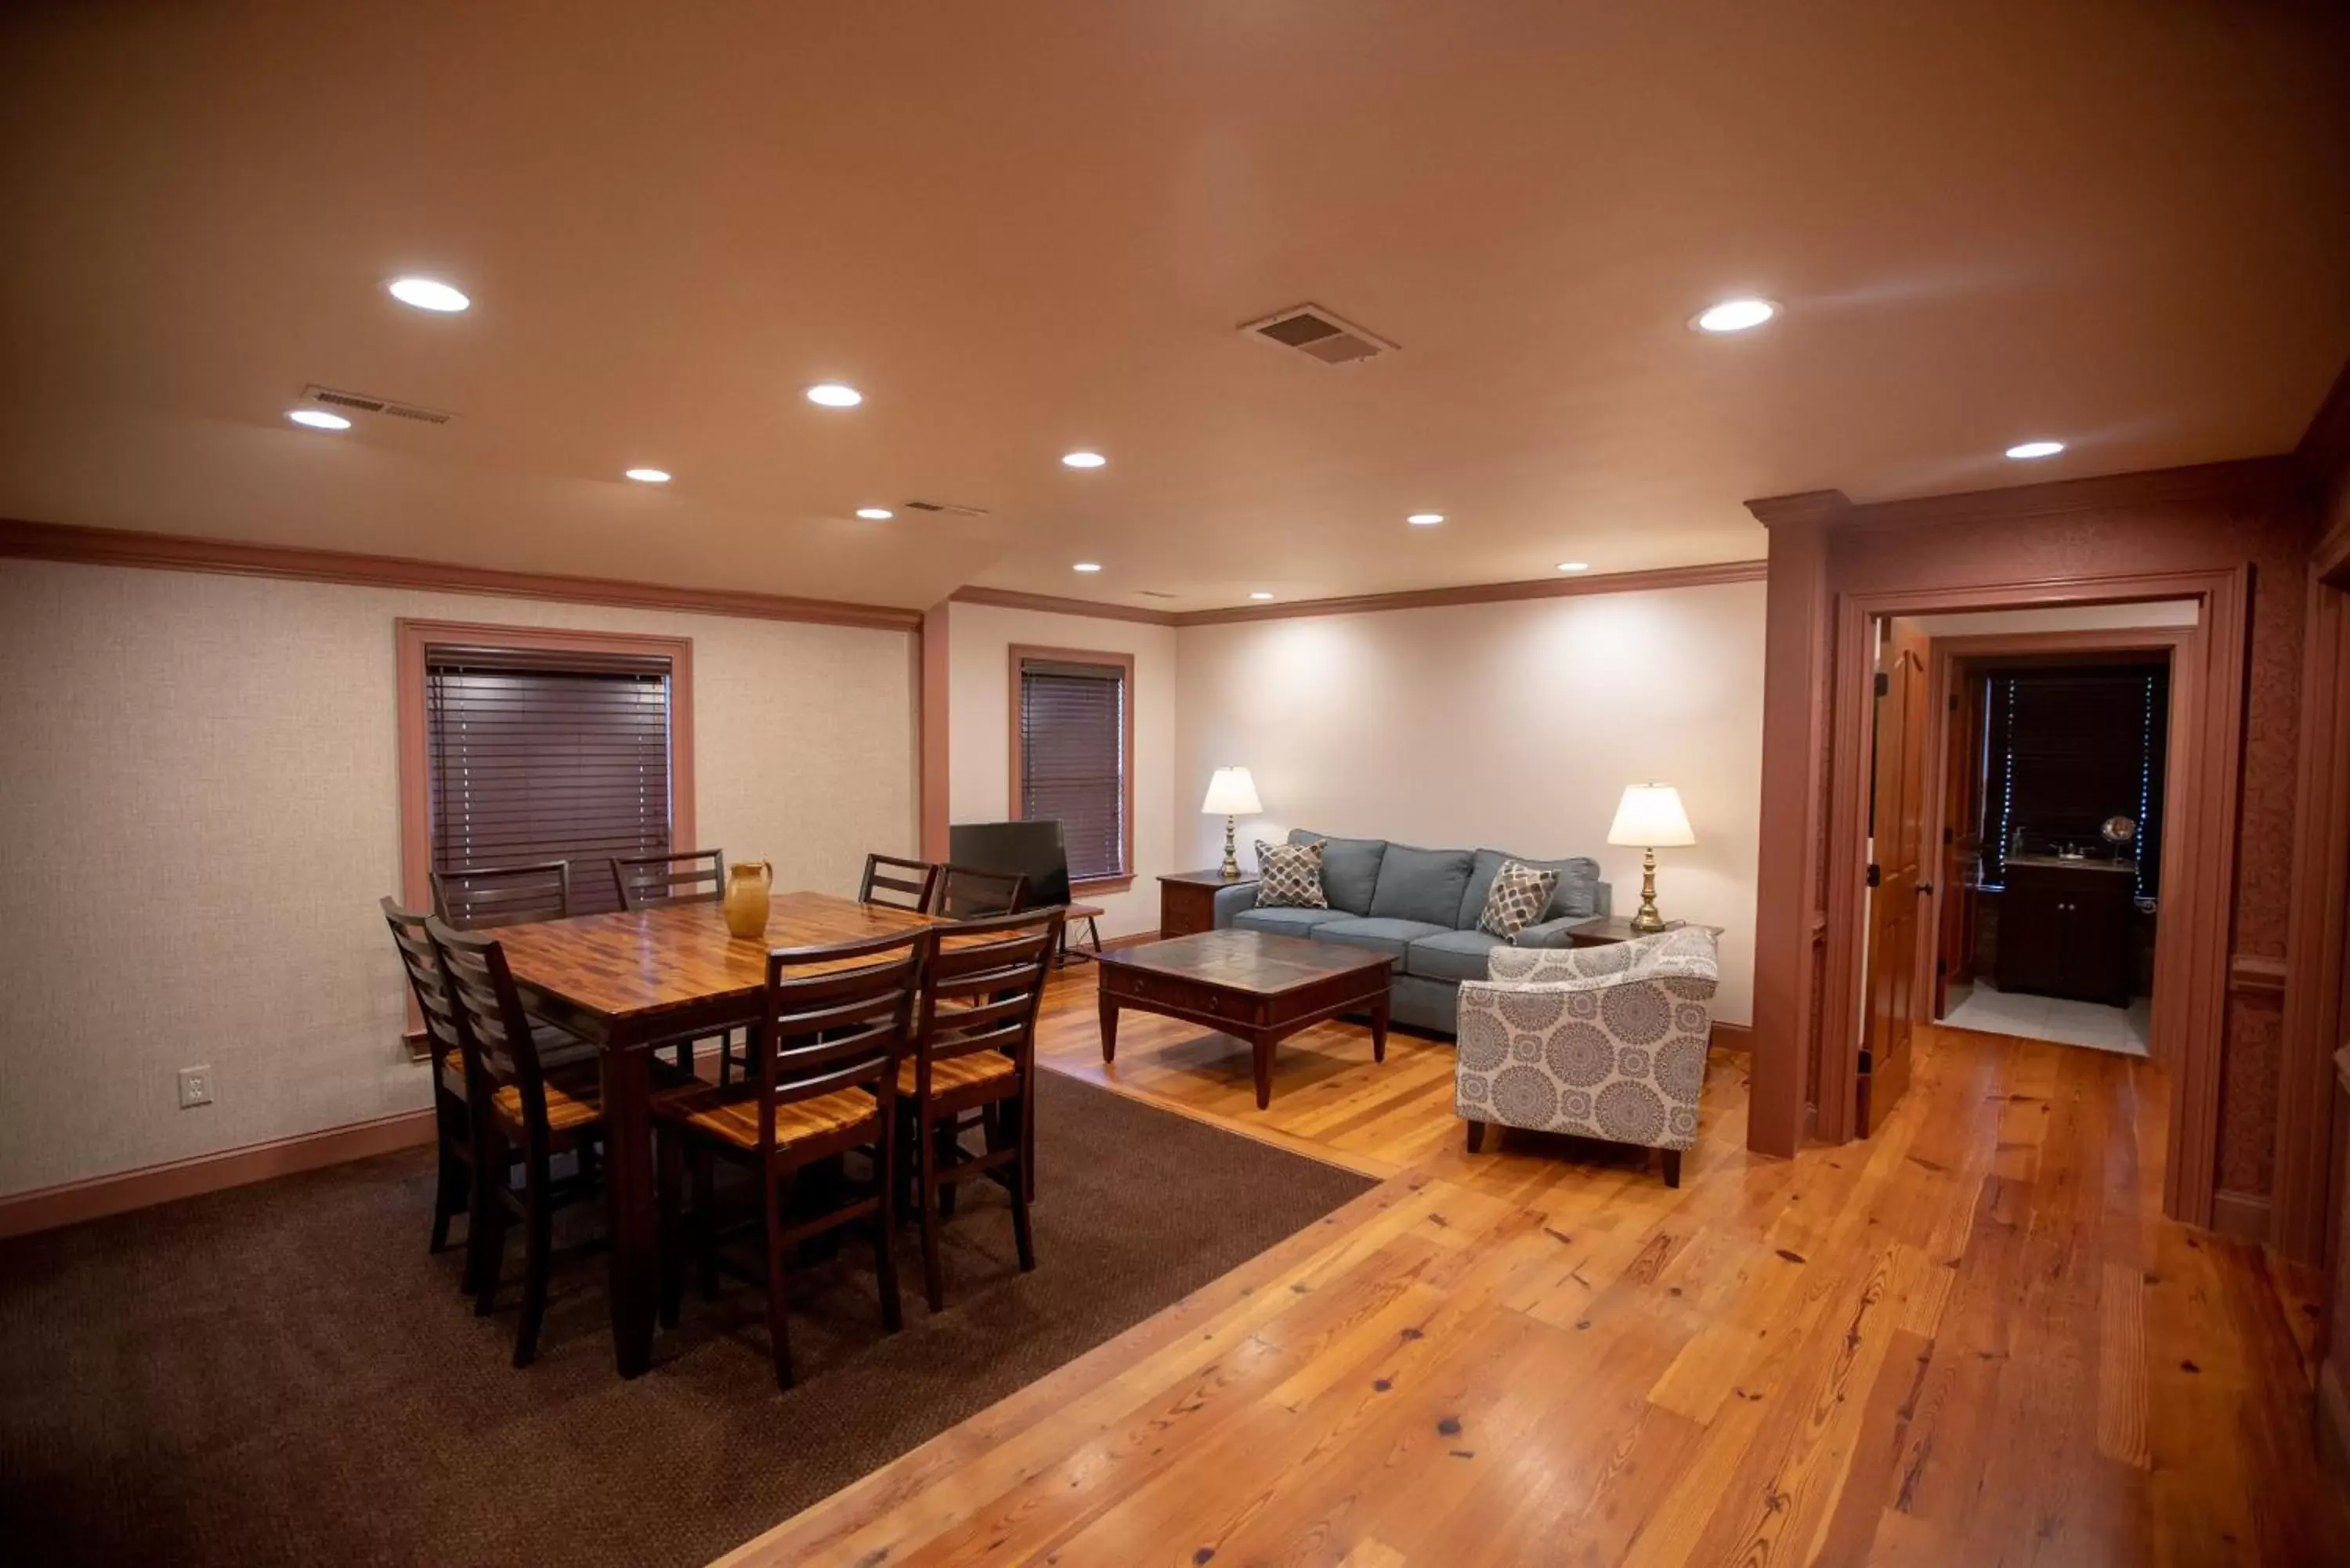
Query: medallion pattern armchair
point(1604, 1042)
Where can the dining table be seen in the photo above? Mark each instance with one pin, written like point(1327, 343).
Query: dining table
point(629, 980)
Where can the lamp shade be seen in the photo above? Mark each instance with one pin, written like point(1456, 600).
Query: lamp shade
point(1651, 817)
point(1232, 792)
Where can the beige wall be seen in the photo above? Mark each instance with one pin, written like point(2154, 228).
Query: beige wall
point(980, 638)
point(200, 805)
point(2067, 617)
point(1514, 726)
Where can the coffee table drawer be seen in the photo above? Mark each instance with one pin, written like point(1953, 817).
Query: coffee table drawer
point(1191, 998)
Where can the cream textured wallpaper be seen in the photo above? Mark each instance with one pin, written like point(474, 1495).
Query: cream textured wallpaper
point(1510, 726)
point(200, 806)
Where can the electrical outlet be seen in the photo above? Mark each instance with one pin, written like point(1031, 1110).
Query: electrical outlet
point(195, 1087)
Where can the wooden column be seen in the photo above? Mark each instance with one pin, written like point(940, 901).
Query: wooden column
point(1787, 915)
point(932, 734)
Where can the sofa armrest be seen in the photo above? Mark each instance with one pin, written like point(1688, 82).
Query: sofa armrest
point(1549, 933)
point(1231, 901)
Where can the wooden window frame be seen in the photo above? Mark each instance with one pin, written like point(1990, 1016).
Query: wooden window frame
point(1124, 664)
point(411, 638)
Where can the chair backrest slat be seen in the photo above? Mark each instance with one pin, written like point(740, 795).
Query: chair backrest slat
point(422, 966)
point(478, 898)
point(492, 1028)
point(967, 893)
point(986, 985)
point(687, 876)
point(899, 883)
point(836, 1017)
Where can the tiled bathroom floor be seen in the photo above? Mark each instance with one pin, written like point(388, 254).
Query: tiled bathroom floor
point(1984, 1006)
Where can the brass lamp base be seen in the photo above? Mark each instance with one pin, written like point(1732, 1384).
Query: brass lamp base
point(1232, 868)
point(1646, 920)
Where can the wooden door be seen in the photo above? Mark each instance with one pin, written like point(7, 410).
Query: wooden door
point(1962, 760)
point(1896, 822)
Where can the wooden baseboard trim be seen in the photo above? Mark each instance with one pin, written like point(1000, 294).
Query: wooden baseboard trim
point(71, 1202)
point(1734, 1037)
point(2243, 1215)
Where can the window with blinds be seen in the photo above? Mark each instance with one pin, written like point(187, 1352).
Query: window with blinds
point(548, 756)
point(1073, 761)
point(2067, 748)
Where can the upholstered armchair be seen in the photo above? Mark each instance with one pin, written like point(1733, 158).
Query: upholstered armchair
point(1604, 1042)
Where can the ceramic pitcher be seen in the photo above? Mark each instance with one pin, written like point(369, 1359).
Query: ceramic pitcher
point(746, 899)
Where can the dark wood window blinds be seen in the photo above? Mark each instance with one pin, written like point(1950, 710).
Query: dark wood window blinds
point(1073, 760)
point(548, 756)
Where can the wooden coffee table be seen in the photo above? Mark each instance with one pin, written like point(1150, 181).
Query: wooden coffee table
point(1259, 987)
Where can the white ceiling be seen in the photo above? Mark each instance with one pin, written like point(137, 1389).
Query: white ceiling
point(1022, 228)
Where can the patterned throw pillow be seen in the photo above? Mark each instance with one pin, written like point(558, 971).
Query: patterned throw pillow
point(1521, 893)
point(1289, 875)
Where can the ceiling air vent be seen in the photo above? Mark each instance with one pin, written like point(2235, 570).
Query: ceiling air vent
point(362, 403)
point(1311, 330)
point(1154, 593)
point(948, 508)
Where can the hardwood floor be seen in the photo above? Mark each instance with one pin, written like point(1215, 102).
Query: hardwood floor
point(1971, 1340)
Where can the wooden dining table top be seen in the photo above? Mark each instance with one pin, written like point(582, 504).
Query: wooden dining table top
point(641, 962)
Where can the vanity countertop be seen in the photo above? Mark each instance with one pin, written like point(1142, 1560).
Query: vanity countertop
point(2059, 862)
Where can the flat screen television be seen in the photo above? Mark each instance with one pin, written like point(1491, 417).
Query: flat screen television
point(1032, 849)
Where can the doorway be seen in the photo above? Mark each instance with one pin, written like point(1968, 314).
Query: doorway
point(2015, 823)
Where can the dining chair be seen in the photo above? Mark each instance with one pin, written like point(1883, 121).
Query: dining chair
point(968, 893)
point(833, 1032)
point(687, 876)
point(973, 1066)
point(899, 883)
point(523, 1104)
point(479, 897)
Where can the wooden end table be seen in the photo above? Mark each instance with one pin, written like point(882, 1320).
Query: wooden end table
point(1252, 984)
point(1608, 929)
point(1187, 900)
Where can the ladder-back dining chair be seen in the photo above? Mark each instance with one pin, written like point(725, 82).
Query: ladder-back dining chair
point(899, 883)
point(973, 1066)
point(967, 893)
point(479, 897)
point(833, 1030)
point(687, 876)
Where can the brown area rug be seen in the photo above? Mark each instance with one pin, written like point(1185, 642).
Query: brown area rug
point(282, 1374)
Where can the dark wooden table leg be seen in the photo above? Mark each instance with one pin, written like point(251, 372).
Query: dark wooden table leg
point(1380, 1028)
point(633, 1224)
point(1262, 1044)
point(1108, 1026)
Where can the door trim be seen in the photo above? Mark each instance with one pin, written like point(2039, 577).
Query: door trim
point(2206, 768)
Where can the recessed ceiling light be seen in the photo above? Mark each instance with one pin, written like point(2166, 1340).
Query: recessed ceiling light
point(1574, 566)
point(1734, 316)
point(1260, 594)
point(1086, 567)
point(650, 475)
point(1425, 519)
point(429, 294)
point(875, 514)
point(319, 420)
point(2026, 450)
point(832, 395)
point(1083, 459)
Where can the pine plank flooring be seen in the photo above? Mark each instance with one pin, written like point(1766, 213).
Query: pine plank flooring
point(1972, 1339)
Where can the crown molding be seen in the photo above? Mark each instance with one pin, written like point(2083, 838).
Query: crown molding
point(1804, 507)
point(1559, 587)
point(1051, 604)
point(169, 552)
point(2244, 479)
point(2324, 449)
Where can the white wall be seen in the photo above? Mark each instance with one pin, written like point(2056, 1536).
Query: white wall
point(200, 801)
point(980, 639)
point(2063, 617)
point(1514, 726)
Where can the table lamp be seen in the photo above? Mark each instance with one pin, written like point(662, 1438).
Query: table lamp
point(1231, 794)
point(1650, 817)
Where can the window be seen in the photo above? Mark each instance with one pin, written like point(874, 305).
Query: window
point(2067, 748)
point(526, 745)
point(1071, 753)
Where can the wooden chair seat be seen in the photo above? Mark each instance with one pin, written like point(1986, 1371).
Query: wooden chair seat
point(555, 1049)
point(734, 1113)
point(956, 1072)
point(575, 1099)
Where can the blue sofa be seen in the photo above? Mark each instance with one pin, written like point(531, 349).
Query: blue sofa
point(1421, 907)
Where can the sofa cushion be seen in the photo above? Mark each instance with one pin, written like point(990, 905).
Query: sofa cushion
point(1577, 892)
point(1451, 955)
point(1286, 923)
point(1289, 877)
point(1421, 885)
point(1389, 937)
point(1350, 868)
